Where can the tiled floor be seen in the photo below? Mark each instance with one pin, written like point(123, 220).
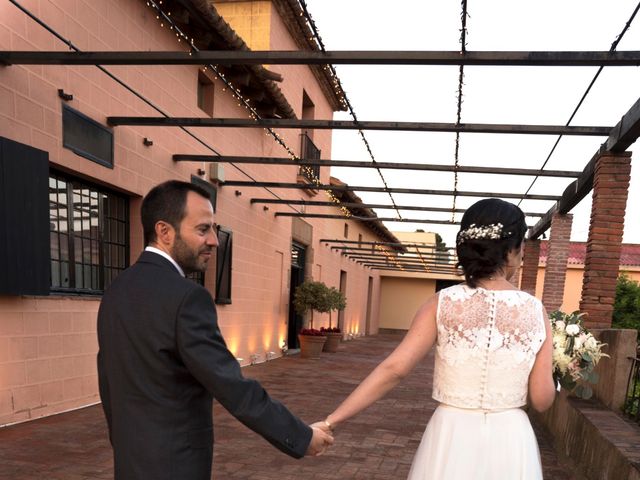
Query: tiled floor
point(377, 445)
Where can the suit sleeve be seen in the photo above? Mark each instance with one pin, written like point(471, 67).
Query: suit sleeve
point(205, 354)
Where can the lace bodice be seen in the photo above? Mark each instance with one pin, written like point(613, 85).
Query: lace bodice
point(487, 343)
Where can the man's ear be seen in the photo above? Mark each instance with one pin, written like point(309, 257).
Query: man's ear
point(165, 233)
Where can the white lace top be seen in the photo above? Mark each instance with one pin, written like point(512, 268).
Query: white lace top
point(487, 343)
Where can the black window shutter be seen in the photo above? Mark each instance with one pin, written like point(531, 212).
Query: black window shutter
point(223, 266)
point(25, 257)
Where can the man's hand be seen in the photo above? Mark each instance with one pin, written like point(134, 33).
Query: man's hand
point(320, 440)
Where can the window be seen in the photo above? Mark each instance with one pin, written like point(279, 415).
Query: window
point(198, 277)
point(309, 152)
point(346, 230)
point(89, 235)
point(86, 137)
point(308, 149)
point(205, 93)
point(223, 266)
point(359, 240)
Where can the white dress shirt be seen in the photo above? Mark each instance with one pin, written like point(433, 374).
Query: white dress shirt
point(167, 256)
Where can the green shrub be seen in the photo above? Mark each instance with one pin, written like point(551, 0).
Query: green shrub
point(626, 307)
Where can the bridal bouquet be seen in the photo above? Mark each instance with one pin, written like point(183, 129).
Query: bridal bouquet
point(576, 352)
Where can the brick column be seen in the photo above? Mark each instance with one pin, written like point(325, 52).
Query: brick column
point(610, 189)
point(530, 266)
point(556, 270)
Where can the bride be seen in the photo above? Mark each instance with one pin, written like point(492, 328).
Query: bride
point(493, 350)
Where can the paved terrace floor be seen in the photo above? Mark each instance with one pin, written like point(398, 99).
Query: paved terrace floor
point(376, 445)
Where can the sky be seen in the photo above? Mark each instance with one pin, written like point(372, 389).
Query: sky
point(519, 95)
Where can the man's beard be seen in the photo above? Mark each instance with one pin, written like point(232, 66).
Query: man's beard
point(188, 259)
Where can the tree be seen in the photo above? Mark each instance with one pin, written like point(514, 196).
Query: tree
point(337, 301)
point(626, 307)
point(310, 296)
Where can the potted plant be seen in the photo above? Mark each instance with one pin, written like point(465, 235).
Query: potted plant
point(336, 301)
point(310, 296)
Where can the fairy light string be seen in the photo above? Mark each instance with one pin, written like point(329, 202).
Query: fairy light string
point(456, 156)
point(343, 97)
point(613, 48)
point(236, 94)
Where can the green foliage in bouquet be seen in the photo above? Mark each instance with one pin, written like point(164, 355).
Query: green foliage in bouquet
point(576, 352)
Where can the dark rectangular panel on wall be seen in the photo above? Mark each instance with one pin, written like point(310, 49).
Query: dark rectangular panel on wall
point(86, 137)
point(224, 266)
point(25, 262)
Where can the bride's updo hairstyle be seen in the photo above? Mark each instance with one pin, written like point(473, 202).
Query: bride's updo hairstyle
point(489, 229)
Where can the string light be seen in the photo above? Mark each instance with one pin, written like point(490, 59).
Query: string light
point(344, 101)
point(308, 172)
point(456, 156)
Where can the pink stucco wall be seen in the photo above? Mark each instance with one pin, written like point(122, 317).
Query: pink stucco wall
point(48, 344)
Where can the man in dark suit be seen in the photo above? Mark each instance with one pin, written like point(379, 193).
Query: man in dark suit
point(162, 357)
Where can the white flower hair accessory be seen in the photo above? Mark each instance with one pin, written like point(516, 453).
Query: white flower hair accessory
point(484, 232)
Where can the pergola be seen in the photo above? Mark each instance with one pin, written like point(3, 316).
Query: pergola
point(606, 173)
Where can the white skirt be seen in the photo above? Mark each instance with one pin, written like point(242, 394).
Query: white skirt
point(477, 445)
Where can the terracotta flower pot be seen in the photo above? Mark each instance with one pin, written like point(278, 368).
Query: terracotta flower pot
point(311, 345)
point(333, 340)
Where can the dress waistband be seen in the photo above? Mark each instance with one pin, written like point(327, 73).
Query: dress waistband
point(479, 410)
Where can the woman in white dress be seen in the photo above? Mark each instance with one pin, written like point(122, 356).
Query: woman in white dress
point(493, 350)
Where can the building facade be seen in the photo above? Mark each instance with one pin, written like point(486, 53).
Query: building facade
point(73, 185)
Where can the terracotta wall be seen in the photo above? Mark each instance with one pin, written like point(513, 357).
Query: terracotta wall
point(400, 299)
point(573, 285)
point(47, 344)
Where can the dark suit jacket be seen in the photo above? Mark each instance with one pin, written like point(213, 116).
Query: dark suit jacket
point(162, 359)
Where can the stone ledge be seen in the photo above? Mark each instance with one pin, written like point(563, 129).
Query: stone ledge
point(601, 445)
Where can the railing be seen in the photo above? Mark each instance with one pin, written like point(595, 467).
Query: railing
point(309, 152)
point(632, 402)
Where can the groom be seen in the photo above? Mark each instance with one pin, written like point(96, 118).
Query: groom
point(162, 358)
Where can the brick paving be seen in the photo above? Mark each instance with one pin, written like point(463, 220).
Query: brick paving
point(376, 445)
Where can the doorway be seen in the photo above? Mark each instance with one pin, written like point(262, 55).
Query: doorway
point(343, 289)
point(298, 258)
point(367, 329)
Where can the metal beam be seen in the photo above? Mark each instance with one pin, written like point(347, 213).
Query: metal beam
point(348, 250)
point(368, 252)
point(431, 268)
point(414, 270)
point(391, 244)
point(428, 262)
point(350, 188)
point(405, 256)
point(255, 57)
point(417, 265)
point(359, 125)
point(366, 219)
point(624, 134)
point(369, 164)
point(317, 203)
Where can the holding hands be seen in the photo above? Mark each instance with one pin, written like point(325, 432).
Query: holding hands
point(322, 438)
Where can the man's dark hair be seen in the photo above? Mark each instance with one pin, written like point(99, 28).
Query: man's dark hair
point(166, 202)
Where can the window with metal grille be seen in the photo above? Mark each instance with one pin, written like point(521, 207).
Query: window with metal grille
point(223, 266)
point(309, 152)
point(89, 232)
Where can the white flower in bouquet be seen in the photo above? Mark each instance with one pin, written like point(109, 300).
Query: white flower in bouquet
point(576, 352)
point(572, 329)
